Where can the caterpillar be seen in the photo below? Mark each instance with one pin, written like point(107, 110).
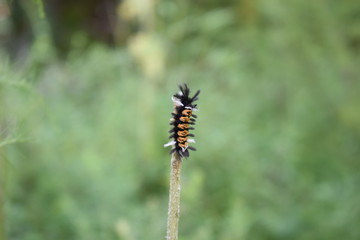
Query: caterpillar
point(182, 118)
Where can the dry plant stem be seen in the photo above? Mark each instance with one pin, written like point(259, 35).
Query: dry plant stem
point(174, 198)
point(2, 199)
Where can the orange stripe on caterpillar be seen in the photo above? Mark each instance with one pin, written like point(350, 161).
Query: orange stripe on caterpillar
point(183, 126)
point(187, 112)
point(182, 139)
point(183, 133)
point(184, 119)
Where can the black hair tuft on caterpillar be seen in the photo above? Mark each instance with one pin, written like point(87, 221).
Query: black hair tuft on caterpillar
point(182, 118)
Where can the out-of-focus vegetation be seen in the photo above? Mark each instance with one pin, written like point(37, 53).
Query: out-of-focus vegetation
point(85, 92)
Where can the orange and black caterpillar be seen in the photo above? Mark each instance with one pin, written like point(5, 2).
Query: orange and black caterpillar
point(182, 118)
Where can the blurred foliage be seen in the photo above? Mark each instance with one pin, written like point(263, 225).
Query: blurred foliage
point(83, 118)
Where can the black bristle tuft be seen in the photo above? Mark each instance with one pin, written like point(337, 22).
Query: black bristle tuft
point(192, 148)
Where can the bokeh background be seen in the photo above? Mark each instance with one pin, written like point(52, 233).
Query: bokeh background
point(85, 91)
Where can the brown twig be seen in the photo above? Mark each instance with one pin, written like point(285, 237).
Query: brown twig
point(174, 198)
point(2, 199)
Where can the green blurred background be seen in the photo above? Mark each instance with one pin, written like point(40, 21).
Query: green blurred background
point(85, 91)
